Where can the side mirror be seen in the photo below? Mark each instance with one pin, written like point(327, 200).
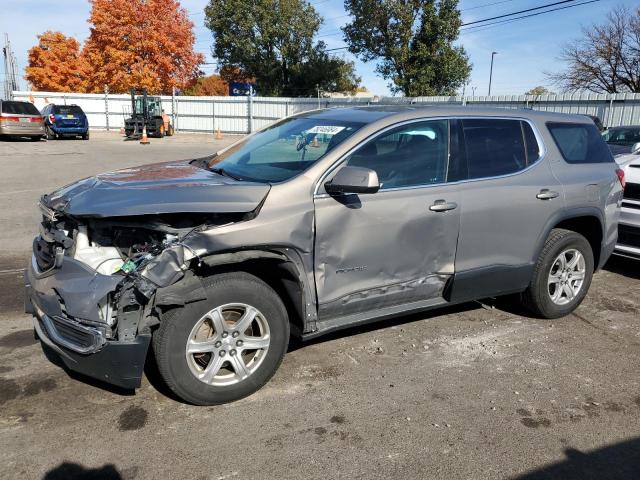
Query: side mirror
point(353, 180)
point(635, 148)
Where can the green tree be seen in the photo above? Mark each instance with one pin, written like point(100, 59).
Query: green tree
point(273, 41)
point(412, 42)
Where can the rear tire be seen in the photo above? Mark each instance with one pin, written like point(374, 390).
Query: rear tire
point(223, 368)
point(562, 275)
point(85, 136)
point(51, 135)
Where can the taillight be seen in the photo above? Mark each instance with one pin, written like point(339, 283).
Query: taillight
point(36, 119)
point(52, 118)
point(9, 119)
point(620, 174)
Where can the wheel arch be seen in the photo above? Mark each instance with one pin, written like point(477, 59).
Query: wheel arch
point(586, 221)
point(281, 269)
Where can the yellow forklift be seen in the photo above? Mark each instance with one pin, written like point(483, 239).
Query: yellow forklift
point(147, 111)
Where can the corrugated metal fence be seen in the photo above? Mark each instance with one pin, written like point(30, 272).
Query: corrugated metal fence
point(247, 114)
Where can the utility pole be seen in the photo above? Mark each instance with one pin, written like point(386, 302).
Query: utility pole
point(493, 54)
point(10, 69)
point(318, 89)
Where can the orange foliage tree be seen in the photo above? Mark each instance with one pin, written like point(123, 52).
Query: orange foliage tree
point(141, 43)
point(56, 64)
point(212, 85)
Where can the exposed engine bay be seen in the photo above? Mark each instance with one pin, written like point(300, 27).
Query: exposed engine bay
point(143, 253)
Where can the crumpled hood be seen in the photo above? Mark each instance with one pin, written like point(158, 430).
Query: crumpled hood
point(173, 187)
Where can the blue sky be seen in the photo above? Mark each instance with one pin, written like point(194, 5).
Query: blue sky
point(526, 48)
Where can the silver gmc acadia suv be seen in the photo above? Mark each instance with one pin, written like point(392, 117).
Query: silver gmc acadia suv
point(322, 221)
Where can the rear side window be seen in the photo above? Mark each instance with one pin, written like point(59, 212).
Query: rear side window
point(68, 110)
point(580, 143)
point(497, 147)
point(19, 108)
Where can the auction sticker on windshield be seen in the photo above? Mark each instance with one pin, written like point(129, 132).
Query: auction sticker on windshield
point(326, 129)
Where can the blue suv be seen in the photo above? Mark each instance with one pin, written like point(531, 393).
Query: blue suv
point(65, 121)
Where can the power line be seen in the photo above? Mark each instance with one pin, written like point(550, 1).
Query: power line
point(516, 13)
point(478, 28)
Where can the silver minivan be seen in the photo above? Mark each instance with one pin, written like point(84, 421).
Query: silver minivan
point(321, 221)
point(20, 119)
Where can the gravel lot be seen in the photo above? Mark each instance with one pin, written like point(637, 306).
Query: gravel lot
point(473, 392)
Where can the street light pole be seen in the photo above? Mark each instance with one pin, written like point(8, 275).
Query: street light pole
point(493, 54)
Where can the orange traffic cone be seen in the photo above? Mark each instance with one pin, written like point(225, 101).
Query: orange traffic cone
point(144, 140)
point(315, 142)
point(218, 135)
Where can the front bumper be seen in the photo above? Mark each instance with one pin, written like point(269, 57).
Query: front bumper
point(82, 346)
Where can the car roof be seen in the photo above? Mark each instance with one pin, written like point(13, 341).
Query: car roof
point(395, 113)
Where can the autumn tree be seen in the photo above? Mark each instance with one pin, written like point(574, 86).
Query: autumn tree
point(274, 42)
point(56, 65)
point(607, 57)
point(411, 42)
point(213, 85)
point(539, 90)
point(140, 43)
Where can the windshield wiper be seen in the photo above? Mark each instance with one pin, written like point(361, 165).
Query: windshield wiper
point(222, 171)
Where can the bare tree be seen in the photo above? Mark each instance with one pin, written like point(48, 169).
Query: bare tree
point(606, 59)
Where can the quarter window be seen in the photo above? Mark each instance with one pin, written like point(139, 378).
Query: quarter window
point(497, 147)
point(580, 143)
point(411, 155)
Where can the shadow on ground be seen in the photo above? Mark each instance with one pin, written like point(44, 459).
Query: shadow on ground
point(624, 266)
point(75, 471)
point(616, 462)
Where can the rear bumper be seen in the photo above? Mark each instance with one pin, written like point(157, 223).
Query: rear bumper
point(81, 346)
point(22, 130)
point(69, 130)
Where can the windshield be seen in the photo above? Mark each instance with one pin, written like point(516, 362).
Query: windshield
point(622, 136)
point(283, 150)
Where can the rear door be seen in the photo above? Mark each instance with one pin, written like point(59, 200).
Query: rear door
point(509, 196)
point(398, 245)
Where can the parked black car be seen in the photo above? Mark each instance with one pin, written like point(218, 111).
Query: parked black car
point(622, 139)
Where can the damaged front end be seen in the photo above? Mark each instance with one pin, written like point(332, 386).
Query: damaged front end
point(93, 281)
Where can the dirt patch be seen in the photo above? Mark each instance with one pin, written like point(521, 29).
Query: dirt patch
point(39, 386)
point(535, 423)
point(12, 286)
point(9, 389)
point(20, 339)
point(616, 305)
point(133, 418)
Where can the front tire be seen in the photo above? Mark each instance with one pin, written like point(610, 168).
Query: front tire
point(226, 347)
point(562, 275)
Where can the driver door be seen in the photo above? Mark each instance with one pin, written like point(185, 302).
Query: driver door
point(398, 245)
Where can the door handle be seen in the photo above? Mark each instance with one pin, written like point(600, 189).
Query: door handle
point(442, 206)
point(546, 194)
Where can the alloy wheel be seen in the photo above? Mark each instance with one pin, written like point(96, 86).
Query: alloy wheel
point(566, 276)
point(227, 344)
